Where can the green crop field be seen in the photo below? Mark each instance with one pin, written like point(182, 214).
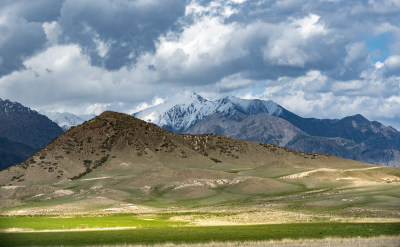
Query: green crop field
point(191, 234)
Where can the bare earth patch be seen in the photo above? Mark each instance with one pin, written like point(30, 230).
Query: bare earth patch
point(308, 173)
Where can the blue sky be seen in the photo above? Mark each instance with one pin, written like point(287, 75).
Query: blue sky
point(378, 47)
point(322, 58)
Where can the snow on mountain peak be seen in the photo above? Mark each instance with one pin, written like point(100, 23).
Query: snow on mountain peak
point(251, 106)
point(65, 119)
point(181, 112)
point(8, 106)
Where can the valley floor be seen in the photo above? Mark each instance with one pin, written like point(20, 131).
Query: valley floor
point(169, 229)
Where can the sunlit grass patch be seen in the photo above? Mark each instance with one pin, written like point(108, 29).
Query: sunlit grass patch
point(46, 222)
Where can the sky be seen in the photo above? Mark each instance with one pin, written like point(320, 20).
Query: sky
point(321, 58)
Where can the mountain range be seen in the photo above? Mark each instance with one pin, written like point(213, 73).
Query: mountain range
point(353, 137)
point(118, 162)
point(24, 131)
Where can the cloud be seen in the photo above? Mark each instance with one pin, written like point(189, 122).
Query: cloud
point(144, 105)
point(32, 11)
point(392, 65)
point(62, 76)
point(292, 43)
point(21, 34)
point(316, 95)
point(115, 33)
point(313, 57)
point(13, 46)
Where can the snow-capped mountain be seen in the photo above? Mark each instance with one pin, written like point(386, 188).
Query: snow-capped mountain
point(353, 137)
point(7, 108)
point(180, 113)
point(65, 119)
point(231, 105)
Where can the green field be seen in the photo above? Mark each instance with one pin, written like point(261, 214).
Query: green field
point(190, 234)
point(51, 223)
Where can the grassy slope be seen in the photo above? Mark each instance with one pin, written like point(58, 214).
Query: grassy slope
point(319, 194)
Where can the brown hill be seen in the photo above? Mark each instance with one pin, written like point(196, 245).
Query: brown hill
point(115, 159)
point(115, 135)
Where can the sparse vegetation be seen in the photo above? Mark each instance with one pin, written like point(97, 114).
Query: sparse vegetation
point(215, 160)
point(87, 162)
point(17, 177)
point(97, 163)
point(395, 173)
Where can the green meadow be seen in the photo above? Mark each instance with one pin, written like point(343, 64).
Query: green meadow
point(159, 229)
point(155, 234)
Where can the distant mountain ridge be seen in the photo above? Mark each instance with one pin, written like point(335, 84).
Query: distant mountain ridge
point(23, 131)
point(352, 137)
point(22, 124)
point(258, 128)
point(13, 152)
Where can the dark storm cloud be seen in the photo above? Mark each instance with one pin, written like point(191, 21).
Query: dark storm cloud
point(38, 10)
point(115, 34)
point(124, 29)
point(14, 47)
point(112, 33)
point(21, 32)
